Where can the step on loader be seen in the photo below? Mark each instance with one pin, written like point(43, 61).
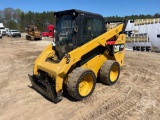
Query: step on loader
point(83, 52)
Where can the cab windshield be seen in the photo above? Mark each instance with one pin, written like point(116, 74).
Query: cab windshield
point(64, 29)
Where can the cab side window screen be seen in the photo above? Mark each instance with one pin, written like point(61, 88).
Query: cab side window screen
point(91, 28)
point(97, 28)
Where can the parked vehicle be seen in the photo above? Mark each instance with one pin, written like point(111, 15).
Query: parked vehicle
point(83, 53)
point(33, 33)
point(49, 32)
point(14, 33)
point(2, 29)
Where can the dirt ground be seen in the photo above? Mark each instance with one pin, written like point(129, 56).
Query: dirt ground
point(136, 95)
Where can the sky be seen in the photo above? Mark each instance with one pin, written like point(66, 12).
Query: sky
point(104, 7)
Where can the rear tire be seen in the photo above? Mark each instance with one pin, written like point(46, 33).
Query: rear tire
point(81, 83)
point(109, 72)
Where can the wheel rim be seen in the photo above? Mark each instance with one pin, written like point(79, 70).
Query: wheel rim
point(114, 72)
point(85, 85)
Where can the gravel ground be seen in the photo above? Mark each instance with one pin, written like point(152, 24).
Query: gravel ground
point(136, 95)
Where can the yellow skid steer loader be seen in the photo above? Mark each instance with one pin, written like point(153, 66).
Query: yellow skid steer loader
point(83, 51)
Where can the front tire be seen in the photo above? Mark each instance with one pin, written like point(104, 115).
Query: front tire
point(109, 72)
point(81, 83)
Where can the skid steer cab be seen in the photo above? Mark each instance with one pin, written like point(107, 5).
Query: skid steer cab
point(83, 51)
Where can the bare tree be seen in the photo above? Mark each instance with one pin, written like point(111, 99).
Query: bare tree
point(8, 14)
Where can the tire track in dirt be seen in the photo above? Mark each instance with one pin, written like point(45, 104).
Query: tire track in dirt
point(80, 109)
point(123, 109)
point(116, 106)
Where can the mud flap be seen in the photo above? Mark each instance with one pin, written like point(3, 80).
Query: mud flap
point(45, 89)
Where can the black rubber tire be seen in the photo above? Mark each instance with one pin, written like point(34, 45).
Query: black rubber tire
point(26, 37)
point(75, 78)
point(105, 72)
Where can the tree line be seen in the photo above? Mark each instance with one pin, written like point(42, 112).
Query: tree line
point(131, 17)
point(17, 19)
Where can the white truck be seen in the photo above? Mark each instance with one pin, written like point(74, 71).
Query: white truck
point(14, 33)
point(2, 29)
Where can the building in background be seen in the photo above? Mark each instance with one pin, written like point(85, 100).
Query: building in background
point(143, 34)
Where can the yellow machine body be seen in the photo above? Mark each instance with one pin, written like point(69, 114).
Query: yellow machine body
point(50, 77)
point(61, 69)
